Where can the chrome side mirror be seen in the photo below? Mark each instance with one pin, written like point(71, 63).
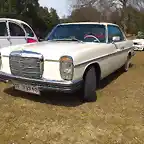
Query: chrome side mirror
point(116, 38)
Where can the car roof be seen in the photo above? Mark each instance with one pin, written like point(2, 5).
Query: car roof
point(14, 20)
point(101, 23)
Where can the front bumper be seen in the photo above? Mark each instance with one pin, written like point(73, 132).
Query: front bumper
point(43, 84)
point(138, 47)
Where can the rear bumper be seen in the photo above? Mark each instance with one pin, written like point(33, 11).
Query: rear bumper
point(43, 84)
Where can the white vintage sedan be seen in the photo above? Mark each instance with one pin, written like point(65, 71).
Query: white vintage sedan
point(138, 44)
point(73, 57)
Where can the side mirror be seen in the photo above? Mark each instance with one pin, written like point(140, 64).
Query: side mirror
point(116, 38)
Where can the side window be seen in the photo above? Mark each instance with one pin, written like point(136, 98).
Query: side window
point(114, 31)
point(3, 29)
point(16, 30)
point(28, 30)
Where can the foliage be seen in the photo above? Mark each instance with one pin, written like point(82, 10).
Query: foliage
point(40, 18)
point(140, 35)
point(129, 14)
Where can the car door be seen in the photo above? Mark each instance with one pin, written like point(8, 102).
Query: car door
point(17, 34)
point(4, 37)
point(120, 54)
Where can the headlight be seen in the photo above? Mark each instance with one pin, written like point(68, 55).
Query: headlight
point(66, 67)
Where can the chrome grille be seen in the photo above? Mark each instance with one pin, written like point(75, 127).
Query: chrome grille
point(26, 66)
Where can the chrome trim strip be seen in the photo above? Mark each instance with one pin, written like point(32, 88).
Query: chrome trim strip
point(5, 56)
point(49, 60)
point(102, 57)
point(44, 84)
point(24, 53)
point(10, 76)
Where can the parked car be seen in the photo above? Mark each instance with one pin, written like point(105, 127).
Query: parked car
point(74, 57)
point(14, 32)
point(139, 42)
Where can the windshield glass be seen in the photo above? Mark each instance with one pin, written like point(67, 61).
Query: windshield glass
point(82, 32)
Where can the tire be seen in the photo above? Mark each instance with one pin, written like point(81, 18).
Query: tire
point(127, 64)
point(89, 86)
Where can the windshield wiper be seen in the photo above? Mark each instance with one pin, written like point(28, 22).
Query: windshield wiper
point(67, 39)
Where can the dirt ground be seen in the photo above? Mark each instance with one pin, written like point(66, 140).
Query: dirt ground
point(117, 117)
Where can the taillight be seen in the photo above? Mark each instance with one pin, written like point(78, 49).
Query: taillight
point(29, 40)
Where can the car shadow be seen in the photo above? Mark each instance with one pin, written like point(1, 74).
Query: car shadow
point(109, 79)
point(61, 99)
point(106, 81)
point(53, 98)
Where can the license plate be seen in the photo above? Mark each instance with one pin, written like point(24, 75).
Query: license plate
point(27, 88)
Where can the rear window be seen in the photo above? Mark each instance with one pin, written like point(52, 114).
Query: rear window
point(3, 29)
point(28, 30)
point(16, 30)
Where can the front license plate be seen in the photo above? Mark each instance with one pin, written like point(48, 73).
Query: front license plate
point(27, 88)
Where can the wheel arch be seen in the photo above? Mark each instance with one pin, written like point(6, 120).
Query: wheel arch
point(96, 65)
point(129, 54)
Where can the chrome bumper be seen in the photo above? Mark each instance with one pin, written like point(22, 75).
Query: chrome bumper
point(138, 47)
point(43, 84)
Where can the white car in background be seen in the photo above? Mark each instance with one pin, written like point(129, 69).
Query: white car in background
point(15, 32)
point(138, 44)
point(139, 41)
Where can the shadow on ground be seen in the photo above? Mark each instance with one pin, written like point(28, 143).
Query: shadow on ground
point(106, 81)
point(61, 99)
point(53, 98)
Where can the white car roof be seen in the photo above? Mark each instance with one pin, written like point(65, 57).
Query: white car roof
point(101, 23)
point(14, 20)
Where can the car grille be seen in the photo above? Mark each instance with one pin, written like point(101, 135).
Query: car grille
point(29, 67)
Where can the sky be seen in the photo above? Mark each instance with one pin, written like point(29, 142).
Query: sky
point(59, 5)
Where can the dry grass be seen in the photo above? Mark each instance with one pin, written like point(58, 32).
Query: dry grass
point(116, 117)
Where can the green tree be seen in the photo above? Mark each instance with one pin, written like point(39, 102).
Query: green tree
point(129, 14)
point(40, 18)
point(54, 17)
point(85, 14)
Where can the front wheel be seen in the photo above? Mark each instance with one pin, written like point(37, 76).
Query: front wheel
point(89, 86)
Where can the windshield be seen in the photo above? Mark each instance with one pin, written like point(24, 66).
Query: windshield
point(82, 32)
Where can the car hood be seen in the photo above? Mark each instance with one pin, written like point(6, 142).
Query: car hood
point(52, 50)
